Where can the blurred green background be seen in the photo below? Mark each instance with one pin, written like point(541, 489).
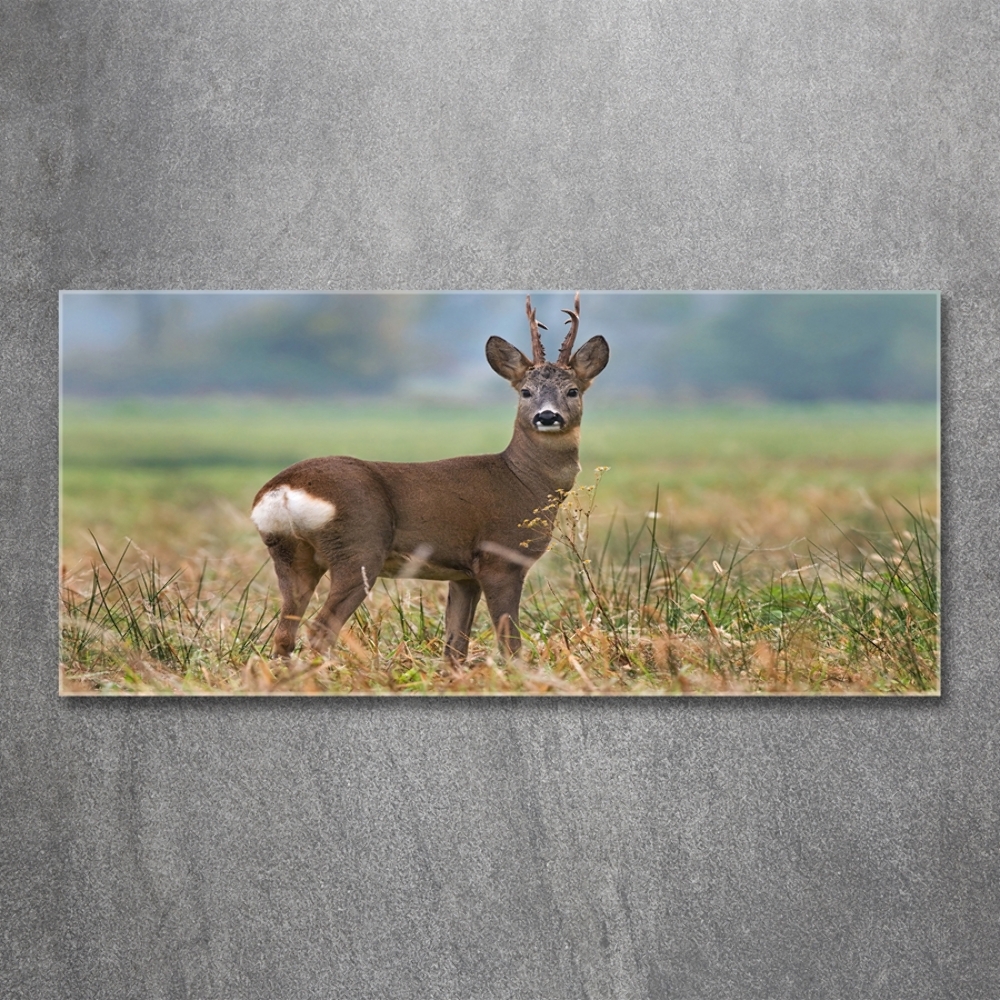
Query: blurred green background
point(666, 347)
point(757, 416)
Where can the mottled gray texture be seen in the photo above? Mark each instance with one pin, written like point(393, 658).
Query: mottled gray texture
point(296, 849)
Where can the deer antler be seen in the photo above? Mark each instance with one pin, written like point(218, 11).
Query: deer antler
point(537, 350)
point(574, 321)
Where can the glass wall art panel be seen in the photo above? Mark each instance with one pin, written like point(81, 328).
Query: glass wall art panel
point(527, 493)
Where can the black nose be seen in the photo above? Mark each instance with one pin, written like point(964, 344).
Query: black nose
point(549, 418)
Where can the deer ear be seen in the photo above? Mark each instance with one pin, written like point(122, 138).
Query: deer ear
point(590, 360)
point(506, 360)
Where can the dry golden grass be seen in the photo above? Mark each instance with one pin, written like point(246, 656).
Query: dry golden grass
point(623, 613)
point(793, 552)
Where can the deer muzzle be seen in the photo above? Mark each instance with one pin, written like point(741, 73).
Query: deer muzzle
point(548, 420)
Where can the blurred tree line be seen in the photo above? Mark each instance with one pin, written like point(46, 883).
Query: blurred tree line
point(768, 346)
point(297, 345)
point(806, 346)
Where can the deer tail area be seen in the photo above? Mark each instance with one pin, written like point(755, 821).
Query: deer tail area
point(287, 511)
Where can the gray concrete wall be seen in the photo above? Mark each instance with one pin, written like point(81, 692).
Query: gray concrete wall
point(550, 849)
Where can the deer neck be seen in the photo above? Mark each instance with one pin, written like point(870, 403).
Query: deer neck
point(544, 463)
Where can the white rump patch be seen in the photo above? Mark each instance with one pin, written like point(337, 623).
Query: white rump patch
point(284, 511)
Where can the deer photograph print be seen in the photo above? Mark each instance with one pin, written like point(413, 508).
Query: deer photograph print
point(400, 493)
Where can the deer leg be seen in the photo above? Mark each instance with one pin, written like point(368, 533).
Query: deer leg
point(349, 586)
point(332, 617)
point(298, 575)
point(463, 596)
point(502, 589)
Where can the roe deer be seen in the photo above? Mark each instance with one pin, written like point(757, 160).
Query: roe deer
point(463, 520)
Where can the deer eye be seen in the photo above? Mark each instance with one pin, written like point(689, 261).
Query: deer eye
point(526, 393)
point(573, 392)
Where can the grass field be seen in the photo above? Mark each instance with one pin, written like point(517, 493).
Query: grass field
point(725, 550)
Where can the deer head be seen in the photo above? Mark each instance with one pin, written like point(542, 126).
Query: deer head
point(551, 394)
